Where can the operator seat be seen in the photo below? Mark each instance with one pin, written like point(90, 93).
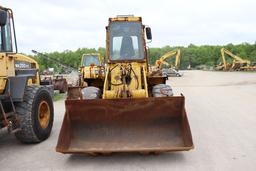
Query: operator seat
point(127, 50)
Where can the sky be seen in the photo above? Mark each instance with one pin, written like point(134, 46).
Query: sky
point(58, 25)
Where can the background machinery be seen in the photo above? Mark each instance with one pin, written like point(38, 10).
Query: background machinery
point(237, 64)
point(26, 107)
point(132, 111)
point(163, 59)
point(58, 81)
point(91, 70)
point(170, 69)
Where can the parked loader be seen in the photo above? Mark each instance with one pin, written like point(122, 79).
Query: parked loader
point(58, 81)
point(26, 107)
point(91, 70)
point(133, 111)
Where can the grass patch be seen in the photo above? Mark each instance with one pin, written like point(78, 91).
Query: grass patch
point(57, 96)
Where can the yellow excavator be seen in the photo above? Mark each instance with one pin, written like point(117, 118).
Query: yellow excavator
point(173, 70)
point(170, 54)
point(238, 63)
point(26, 106)
point(133, 111)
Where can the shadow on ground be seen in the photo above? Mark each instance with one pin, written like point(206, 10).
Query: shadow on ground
point(127, 158)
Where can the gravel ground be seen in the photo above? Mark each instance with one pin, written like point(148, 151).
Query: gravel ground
point(222, 116)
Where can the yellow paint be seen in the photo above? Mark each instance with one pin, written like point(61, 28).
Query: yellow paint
point(7, 68)
point(114, 86)
point(21, 57)
point(10, 65)
point(125, 19)
point(3, 66)
point(2, 84)
point(145, 80)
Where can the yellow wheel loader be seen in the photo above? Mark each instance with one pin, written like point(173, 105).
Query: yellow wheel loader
point(26, 107)
point(133, 111)
point(91, 70)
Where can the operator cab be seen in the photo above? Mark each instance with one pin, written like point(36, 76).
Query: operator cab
point(89, 60)
point(126, 39)
point(6, 30)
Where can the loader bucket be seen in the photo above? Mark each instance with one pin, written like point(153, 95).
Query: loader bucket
point(125, 125)
point(60, 84)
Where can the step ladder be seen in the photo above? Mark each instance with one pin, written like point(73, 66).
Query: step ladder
point(9, 119)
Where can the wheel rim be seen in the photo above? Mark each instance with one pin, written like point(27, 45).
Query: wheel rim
point(44, 114)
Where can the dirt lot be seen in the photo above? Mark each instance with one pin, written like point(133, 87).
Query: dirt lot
point(222, 115)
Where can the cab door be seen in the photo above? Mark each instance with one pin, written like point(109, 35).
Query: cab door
point(6, 47)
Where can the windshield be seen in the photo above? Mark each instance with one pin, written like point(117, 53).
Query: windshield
point(126, 41)
point(93, 59)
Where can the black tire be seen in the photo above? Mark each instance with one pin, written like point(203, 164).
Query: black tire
point(31, 130)
point(162, 90)
point(91, 92)
point(62, 91)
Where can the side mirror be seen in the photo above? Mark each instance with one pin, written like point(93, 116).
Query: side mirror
point(148, 33)
point(3, 17)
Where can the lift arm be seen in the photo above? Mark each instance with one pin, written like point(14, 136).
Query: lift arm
point(61, 64)
point(236, 59)
point(162, 59)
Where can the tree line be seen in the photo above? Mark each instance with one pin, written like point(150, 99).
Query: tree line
point(195, 56)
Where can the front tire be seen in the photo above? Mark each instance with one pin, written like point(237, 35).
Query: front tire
point(162, 90)
point(91, 92)
point(36, 115)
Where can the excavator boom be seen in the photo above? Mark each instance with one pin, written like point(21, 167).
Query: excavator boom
point(238, 62)
point(168, 55)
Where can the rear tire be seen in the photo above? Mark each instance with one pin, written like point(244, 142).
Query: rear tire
point(36, 115)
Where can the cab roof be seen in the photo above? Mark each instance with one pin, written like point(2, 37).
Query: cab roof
point(125, 18)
